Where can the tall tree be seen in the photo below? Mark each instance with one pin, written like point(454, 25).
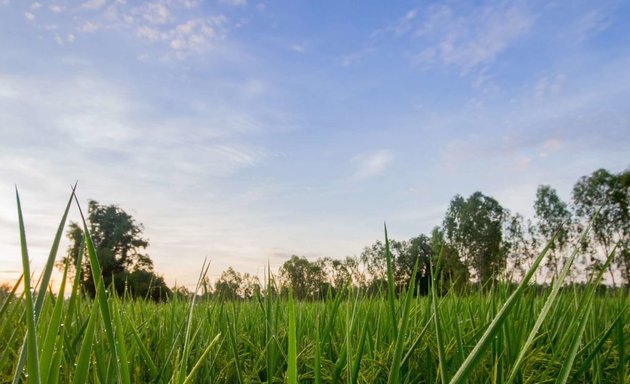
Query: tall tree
point(474, 227)
point(602, 199)
point(120, 249)
point(523, 243)
point(228, 284)
point(553, 219)
point(305, 277)
point(452, 271)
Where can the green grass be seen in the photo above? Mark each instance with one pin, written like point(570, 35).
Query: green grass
point(503, 334)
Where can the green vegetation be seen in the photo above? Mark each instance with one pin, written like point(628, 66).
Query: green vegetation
point(434, 309)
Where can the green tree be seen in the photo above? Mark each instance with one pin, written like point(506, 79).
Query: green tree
point(306, 278)
point(452, 272)
point(602, 199)
point(553, 218)
point(228, 284)
point(523, 243)
point(119, 246)
point(474, 227)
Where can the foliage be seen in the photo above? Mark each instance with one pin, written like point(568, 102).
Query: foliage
point(119, 246)
point(606, 197)
point(306, 278)
point(554, 221)
point(505, 333)
point(474, 227)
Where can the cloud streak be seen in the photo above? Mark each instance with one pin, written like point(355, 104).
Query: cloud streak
point(370, 165)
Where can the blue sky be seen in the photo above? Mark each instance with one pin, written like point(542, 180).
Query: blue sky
point(248, 131)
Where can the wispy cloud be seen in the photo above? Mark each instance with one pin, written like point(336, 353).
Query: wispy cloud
point(373, 164)
point(176, 28)
point(94, 4)
point(236, 3)
point(467, 38)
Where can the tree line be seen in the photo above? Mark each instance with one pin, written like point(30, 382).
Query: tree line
point(478, 242)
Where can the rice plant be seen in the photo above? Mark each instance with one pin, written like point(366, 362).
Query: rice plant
point(502, 335)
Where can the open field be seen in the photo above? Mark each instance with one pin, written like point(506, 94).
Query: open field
point(353, 339)
point(502, 334)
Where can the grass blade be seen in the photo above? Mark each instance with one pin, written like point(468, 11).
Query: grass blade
point(83, 363)
point(32, 361)
point(292, 348)
point(199, 362)
point(486, 339)
point(391, 298)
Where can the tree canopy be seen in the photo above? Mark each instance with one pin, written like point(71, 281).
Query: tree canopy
point(120, 247)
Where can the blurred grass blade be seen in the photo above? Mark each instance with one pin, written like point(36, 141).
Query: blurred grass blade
point(597, 347)
point(32, 361)
point(394, 369)
point(542, 316)
point(10, 297)
point(487, 338)
point(53, 327)
point(83, 363)
point(101, 293)
point(123, 363)
point(193, 371)
point(583, 311)
point(292, 347)
point(391, 298)
point(436, 319)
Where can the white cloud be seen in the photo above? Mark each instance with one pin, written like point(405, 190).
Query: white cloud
point(299, 48)
point(453, 38)
point(235, 3)
point(29, 16)
point(371, 164)
point(148, 33)
point(55, 8)
point(94, 4)
point(549, 86)
point(155, 13)
point(89, 27)
point(462, 37)
point(35, 6)
point(589, 24)
point(195, 35)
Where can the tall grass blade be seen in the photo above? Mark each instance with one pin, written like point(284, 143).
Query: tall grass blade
point(199, 363)
point(292, 377)
point(394, 369)
point(486, 339)
point(551, 300)
point(391, 298)
point(53, 328)
point(123, 363)
point(10, 297)
point(32, 361)
point(583, 312)
point(597, 347)
point(83, 363)
point(436, 320)
point(101, 293)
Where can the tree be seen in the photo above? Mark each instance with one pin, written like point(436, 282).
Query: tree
point(416, 250)
point(522, 241)
point(452, 271)
point(602, 200)
point(119, 246)
point(305, 277)
point(227, 285)
point(474, 227)
point(553, 219)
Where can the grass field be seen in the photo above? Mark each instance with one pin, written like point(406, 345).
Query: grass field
point(500, 335)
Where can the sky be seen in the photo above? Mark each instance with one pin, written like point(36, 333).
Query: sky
point(247, 131)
